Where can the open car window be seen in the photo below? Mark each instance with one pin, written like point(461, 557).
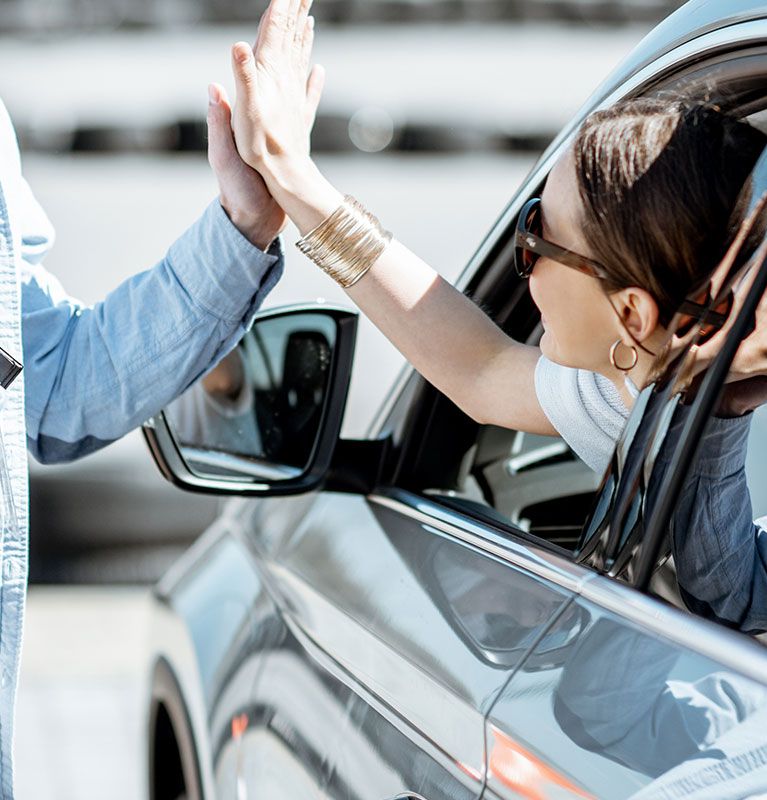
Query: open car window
point(536, 485)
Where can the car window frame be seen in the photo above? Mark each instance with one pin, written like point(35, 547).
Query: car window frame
point(492, 257)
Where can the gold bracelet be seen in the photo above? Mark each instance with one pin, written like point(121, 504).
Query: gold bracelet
point(347, 243)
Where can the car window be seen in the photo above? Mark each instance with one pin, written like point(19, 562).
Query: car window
point(535, 484)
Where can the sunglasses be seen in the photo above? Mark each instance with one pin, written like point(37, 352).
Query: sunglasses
point(529, 246)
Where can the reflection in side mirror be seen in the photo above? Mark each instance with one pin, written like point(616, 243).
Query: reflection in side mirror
point(267, 416)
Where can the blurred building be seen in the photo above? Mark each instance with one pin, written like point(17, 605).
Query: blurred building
point(39, 16)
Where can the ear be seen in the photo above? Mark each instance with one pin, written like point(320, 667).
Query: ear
point(638, 312)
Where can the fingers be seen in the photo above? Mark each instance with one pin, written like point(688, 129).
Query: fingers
point(280, 24)
point(244, 70)
point(301, 19)
point(259, 32)
point(272, 29)
point(723, 273)
point(307, 43)
point(294, 9)
point(314, 86)
point(221, 146)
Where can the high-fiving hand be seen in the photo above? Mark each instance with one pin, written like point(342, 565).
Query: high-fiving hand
point(242, 191)
point(277, 99)
point(277, 92)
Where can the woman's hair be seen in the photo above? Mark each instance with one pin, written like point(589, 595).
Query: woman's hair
point(661, 187)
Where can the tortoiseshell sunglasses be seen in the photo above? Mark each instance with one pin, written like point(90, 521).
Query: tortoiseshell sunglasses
point(529, 246)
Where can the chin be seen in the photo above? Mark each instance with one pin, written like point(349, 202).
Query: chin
point(550, 349)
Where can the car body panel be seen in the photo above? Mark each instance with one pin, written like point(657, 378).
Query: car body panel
point(621, 706)
point(358, 580)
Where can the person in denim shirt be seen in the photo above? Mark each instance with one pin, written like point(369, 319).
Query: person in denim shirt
point(93, 373)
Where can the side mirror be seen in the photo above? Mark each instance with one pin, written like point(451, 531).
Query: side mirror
point(266, 420)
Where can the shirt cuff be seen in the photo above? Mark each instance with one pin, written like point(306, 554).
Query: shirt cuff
point(221, 270)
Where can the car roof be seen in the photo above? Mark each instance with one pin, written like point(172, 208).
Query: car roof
point(693, 19)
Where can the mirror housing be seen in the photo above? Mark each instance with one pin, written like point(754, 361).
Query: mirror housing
point(327, 335)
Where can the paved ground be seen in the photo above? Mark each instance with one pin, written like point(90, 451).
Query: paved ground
point(82, 694)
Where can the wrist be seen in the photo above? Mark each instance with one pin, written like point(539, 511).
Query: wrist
point(259, 232)
point(307, 197)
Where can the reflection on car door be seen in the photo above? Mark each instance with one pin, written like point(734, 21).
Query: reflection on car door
point(622, 710)
point(396, 640)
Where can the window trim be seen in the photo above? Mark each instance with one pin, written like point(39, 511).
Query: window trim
point(728, 648)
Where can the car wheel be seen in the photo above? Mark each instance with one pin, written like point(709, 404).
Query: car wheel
point(174, 768)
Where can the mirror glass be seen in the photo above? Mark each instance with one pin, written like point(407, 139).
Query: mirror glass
point(257, 414)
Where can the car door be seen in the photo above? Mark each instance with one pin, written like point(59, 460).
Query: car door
point(645, 701)
point(392, 649)
point(635, 703)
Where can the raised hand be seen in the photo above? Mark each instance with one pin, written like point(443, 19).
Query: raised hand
point(751, 359)
point(277, 93)
point(243, 193)
point(277, 98)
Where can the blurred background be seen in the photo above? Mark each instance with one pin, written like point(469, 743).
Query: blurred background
point(434, 110)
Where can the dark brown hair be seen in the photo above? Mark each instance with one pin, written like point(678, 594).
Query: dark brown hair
point(660, 183)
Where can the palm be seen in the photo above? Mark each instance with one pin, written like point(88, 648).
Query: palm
point(244, 195)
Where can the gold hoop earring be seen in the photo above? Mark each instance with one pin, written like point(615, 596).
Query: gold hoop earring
point(634, 354)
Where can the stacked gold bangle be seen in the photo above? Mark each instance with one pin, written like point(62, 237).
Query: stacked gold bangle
point(347, 243)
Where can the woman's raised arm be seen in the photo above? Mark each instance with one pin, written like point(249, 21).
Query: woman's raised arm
point(450, 341)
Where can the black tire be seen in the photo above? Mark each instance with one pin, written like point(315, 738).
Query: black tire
point(174, 767)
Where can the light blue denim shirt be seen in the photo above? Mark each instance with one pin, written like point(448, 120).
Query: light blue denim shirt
point(93, 373)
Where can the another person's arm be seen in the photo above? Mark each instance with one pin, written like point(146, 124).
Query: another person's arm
point(93, 373)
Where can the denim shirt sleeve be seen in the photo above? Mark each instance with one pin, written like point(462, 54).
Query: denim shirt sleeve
point(93, 373)
point(720, 554)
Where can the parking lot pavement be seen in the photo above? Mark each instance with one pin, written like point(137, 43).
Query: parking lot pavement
point(79, 721)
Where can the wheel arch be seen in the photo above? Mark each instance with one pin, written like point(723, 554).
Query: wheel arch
point(173, 759)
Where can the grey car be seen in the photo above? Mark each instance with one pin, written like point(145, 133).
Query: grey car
point(445, 609)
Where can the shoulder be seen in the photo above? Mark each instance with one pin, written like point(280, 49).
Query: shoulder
point(584, 407)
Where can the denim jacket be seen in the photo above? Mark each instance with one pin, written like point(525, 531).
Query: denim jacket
point(91, 374)
point(719, 552)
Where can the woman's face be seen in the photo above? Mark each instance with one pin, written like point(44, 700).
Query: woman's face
point(579, 324)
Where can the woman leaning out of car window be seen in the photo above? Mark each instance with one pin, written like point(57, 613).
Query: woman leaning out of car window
point(633, 219)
